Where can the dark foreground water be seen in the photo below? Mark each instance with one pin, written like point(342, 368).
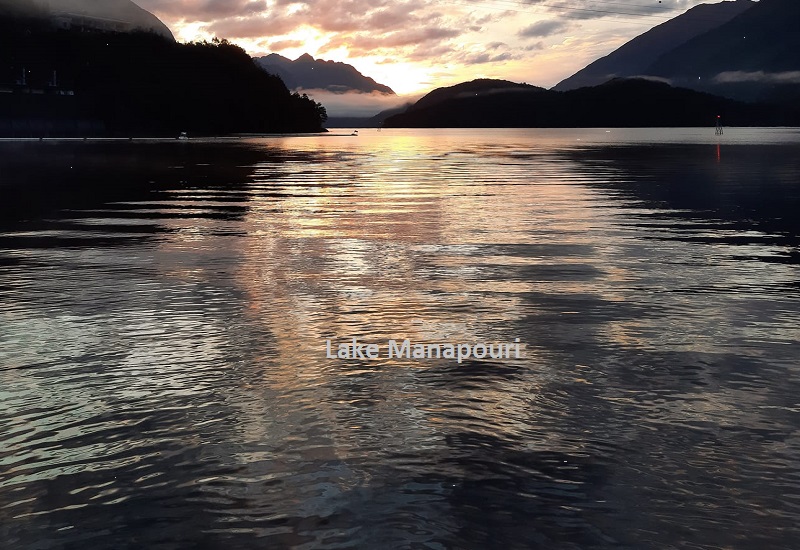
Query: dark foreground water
point(164, 309)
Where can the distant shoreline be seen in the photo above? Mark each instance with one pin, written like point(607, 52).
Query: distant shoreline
point(239, 138)
point(169, 139)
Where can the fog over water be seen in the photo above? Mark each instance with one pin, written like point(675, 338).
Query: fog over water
point(164, 308)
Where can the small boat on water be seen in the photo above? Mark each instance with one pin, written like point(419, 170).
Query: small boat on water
point(355, 133)
point(183, 136)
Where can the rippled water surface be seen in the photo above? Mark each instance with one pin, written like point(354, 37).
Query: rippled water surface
point(164, 309)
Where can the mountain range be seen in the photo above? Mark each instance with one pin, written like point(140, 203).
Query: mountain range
point(617, 103)
point(754, 56)
point(636, 56)
point(742, 49)
point(736, 59)
point(307, 73)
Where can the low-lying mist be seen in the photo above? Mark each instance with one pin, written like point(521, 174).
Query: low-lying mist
point(357, 104)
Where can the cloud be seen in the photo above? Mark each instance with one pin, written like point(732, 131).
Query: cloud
point(485, 57)
point(493, 17)
point(257, 18)
point(202, 10)
point(420, 31)
point(646, 77)
point(789, 77)
point(249, 27)
point(543, 29)
point(394, 17)
point(426, 52)
point(480, 54)
point(534, 47)
point(419, 36)
point(278, 45)
point(601, 9)
point(363, 43)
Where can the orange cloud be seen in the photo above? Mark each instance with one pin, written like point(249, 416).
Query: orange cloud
point(430, 43)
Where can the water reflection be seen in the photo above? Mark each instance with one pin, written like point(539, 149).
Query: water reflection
point(163, 381)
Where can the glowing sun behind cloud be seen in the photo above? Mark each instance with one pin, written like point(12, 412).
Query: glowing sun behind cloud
point(416, 45)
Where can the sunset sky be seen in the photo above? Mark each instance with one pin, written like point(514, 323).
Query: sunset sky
point(416, 45)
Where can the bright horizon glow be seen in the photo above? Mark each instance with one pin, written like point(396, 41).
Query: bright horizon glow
point(414, 46)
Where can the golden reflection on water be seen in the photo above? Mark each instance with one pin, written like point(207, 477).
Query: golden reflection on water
point(196, 359)
point(363, 258)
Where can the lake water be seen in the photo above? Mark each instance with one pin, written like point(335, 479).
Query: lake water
point(164, 310)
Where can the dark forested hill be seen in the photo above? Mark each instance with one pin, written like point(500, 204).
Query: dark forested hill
point(618, 103)
point(67, 82)
point(480, 88)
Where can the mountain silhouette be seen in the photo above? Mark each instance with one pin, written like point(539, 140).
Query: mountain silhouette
point(475, 88)
point(308, 73)
point(636, 57)
point(90, 76)
point(617, 103)
point(754, 56)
